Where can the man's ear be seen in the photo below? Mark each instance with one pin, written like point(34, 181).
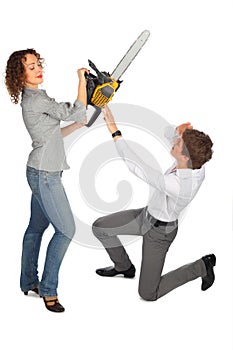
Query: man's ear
point(186, 159)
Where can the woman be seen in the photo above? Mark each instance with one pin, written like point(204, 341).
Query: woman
point(42, 116)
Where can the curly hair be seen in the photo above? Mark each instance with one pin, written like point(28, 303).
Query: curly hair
point(197, 146)
point(14, 78)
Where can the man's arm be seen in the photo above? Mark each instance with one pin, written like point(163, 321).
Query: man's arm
point(110, 122)
point(154, 177)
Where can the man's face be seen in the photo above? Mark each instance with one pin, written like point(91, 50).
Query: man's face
point(177, 148)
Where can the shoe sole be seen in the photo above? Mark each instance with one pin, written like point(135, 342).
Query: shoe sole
point(117, 274)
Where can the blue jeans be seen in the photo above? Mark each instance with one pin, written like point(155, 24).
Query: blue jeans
point(49, 204)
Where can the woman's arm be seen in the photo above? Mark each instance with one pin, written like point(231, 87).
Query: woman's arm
point(82, 91)
point(67, 130)
point(82, 96)
point(65, 110)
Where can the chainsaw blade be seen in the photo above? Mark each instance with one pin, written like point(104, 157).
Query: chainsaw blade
point(130, 55)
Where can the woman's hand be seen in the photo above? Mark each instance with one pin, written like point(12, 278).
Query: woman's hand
point(82, 91)
point(81, 74)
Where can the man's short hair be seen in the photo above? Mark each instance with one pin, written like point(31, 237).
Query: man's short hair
point(197, 146)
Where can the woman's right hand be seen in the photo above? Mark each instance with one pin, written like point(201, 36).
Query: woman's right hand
point(81, 74)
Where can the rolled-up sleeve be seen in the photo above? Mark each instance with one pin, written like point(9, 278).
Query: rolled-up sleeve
point(62, 110)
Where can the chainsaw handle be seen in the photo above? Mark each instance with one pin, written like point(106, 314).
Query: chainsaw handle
point(94, 116)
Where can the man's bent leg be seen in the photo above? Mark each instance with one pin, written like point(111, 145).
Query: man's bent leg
point(180, 276)
point(151, 284)
point(106, 229)
point(156, 243)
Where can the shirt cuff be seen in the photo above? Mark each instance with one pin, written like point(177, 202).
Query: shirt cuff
point(79, 104)
point(81, 111)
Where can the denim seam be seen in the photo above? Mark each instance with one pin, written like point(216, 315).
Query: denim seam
point(55, 207)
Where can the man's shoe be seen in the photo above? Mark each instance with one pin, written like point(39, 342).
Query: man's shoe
point(208, 280)
point(111, 272)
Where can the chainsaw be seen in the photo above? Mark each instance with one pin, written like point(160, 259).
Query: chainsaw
point(102, 86)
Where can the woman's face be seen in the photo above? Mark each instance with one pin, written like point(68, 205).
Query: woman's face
point(33, 71)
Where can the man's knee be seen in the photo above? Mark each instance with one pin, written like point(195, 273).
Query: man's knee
point(147, 295)
point(97, 227)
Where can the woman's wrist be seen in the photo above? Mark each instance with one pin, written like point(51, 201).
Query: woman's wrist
point(82, 81)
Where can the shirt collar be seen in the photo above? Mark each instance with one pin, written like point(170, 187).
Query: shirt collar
point(189, 172)
point(30, 91)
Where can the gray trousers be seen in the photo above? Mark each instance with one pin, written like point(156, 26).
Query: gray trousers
point(156, 242)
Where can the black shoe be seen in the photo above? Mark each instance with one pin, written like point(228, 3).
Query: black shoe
point(35, 290)
point(208, 280)
point(53, 305)
point(111, 272)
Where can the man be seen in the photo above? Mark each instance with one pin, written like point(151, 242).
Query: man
point(158, 222)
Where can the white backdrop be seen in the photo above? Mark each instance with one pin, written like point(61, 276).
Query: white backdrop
point(184, 73)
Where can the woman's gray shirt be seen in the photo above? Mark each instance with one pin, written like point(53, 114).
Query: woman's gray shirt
point(42, 116)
